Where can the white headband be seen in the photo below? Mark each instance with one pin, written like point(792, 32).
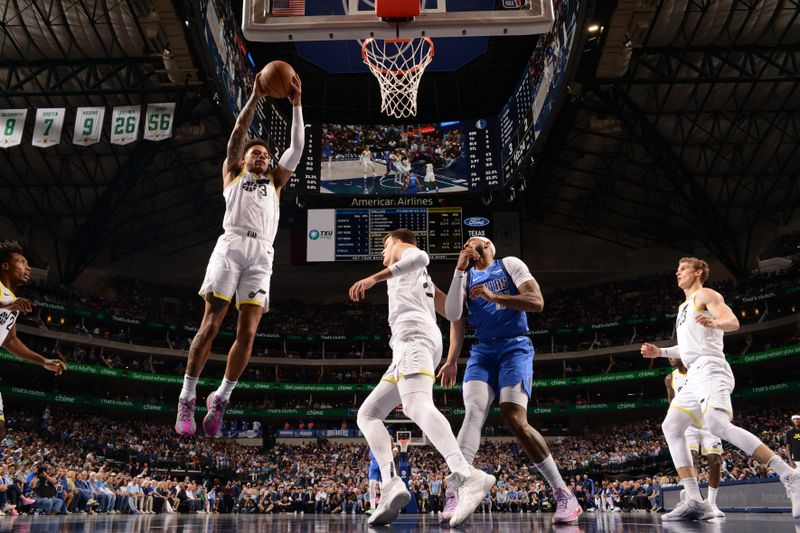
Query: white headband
point(488, 243)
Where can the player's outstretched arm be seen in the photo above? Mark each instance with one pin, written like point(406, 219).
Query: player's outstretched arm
point(724, 318)
point(449, 370)
point(238, 138)
point(291, 157)
point(405, 258)
point(18, 348)
point(651, 351)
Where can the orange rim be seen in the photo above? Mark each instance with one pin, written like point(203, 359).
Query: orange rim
point(424, 63)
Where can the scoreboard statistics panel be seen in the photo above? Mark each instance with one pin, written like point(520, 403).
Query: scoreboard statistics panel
point(356, 234)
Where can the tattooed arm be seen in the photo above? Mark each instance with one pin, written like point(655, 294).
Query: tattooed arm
point(233, 161)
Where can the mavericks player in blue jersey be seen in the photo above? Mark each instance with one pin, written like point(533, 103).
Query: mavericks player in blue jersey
point(500, 365)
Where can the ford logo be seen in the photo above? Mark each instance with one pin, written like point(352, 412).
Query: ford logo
point(476, 222)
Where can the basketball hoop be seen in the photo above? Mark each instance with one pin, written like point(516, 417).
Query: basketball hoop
point(398, 64)
point(403, 442)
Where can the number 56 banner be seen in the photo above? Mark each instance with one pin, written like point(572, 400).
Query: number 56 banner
point(158, 121)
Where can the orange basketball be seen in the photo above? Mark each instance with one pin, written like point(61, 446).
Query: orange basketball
point(276, 79)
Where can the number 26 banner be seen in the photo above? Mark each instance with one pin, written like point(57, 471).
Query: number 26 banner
point(125, 124)
point(158, 121)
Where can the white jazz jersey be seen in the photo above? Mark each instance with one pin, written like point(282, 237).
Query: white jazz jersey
point(366, 157)
point(695, 340)
point(416, 340)
point(411, 307)
point(7, 318)
point(251, 203)
point(678, 380)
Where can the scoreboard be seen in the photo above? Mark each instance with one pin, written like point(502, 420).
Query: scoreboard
point(356, 234)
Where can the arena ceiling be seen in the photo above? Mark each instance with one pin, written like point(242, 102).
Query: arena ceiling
point(681, 127)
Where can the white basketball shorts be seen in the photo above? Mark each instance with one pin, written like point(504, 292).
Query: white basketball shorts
point(415, 352)
point(709, 385)
point(242, 267)
point(702, 441)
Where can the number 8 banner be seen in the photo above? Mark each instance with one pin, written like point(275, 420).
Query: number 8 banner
point(47, 127)
point(125, 124)
point(88, 125)
point(12, 122)
point(158, 121)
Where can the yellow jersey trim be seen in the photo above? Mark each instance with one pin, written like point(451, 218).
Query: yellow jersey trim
point(237, 178)
point(9, 290)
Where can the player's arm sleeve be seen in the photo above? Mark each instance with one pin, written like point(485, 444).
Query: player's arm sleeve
point(670, 352)
point(517, 269)
point(411, 260)
point(291, 157)
point(454, 303)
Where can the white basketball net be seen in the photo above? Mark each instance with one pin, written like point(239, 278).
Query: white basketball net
point(398, 64)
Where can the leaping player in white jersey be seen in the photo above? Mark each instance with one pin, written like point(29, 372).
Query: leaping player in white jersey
point(706, 398)
point(416, 344)
point(699, 440)
point(241, 263)
point(14, 271)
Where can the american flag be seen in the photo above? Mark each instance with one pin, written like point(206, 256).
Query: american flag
point(288, 8)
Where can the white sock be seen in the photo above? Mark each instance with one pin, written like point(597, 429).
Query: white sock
point(550, 472)
point(189, 386)
point(712, 495)
point(692, 490)
point(225, 389)
point(779, 466)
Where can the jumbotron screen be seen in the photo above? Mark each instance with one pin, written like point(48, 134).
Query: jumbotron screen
point(356, 234)
point(382, 160)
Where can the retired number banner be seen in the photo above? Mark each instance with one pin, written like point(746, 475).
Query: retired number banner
point(47, 127)
point(12, 123)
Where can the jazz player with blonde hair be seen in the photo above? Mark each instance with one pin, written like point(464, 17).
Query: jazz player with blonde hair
point(705, 399)
point(416, 345)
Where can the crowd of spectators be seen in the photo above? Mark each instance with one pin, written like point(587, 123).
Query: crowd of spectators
point(68, 462)
point(606, 303)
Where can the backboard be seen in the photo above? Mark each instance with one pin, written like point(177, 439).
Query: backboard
point(335, 20)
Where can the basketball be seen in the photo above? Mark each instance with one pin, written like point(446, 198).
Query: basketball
point(276, 79)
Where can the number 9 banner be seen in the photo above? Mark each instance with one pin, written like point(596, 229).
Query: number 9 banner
point(88, 125)
point(158, 121)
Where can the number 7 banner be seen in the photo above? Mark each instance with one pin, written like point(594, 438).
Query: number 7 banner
point(12, 122)
point(125, 124)
point(47, 127)
point(88, 125)
point(158, 121)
